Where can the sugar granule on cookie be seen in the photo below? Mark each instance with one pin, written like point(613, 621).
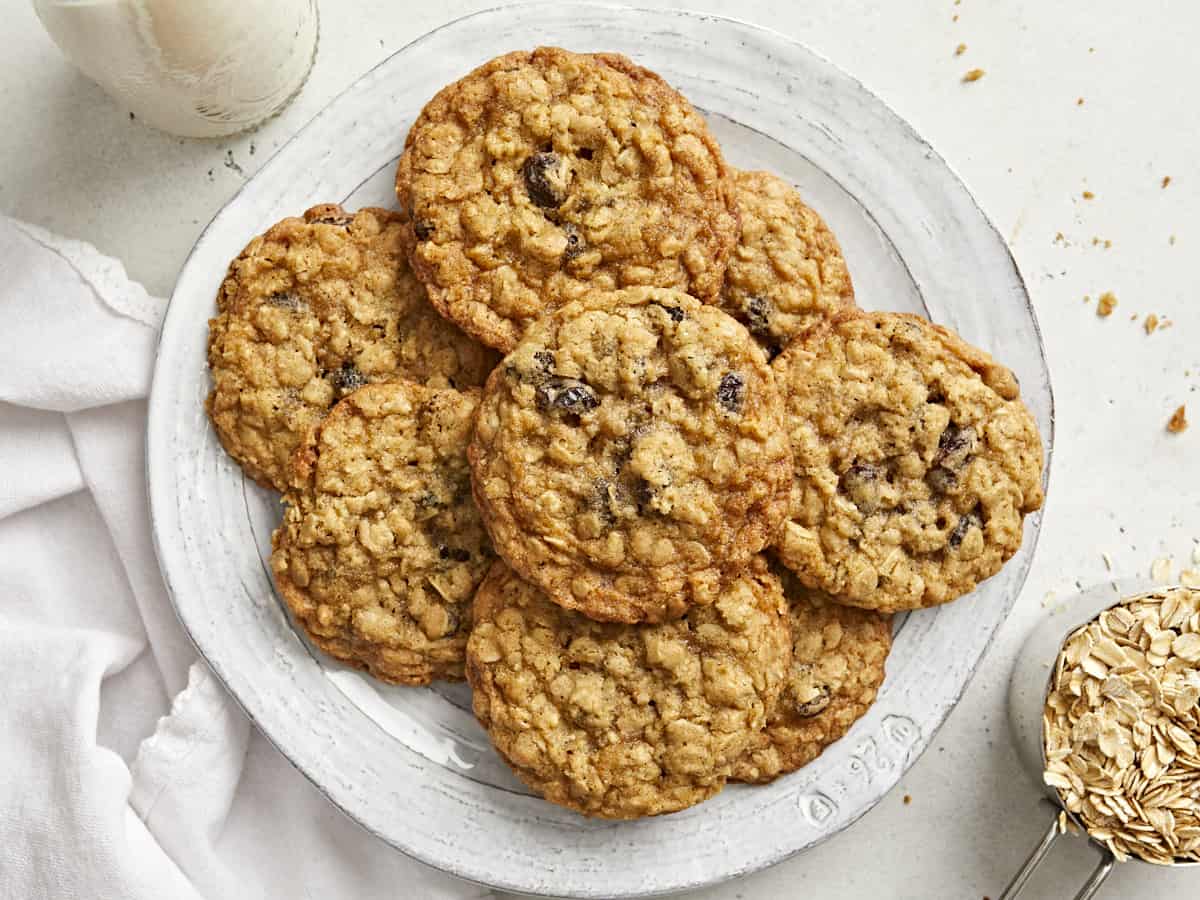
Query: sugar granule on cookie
point(311, 310)
point(545, 175)
point(630, 449)
point(381, 547)
point(623, 721)
point(915, 462)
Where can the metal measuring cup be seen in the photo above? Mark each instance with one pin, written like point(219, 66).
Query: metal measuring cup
point(1028, 688)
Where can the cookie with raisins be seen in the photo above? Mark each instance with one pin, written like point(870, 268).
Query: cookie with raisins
point(622, 721)
point(381, 547)
point(544, 175)
point(311, 310)
point(628, 451)
point(786, 272)
point(838, 659)
point(916, 462)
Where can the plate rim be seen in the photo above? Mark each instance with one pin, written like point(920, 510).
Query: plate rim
point(157, 402)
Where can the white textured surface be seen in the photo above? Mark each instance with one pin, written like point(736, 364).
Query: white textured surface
point(71, 161)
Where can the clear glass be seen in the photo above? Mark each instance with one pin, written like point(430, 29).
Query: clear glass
point(204, 68)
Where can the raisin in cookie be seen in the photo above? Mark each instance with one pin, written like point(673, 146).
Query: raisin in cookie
point(543, 175)
point(622, 721)
point(787, 271)
point(630, 448)
point(311, 310)
point(838, 656)
point(381, 547)
point(915, 462)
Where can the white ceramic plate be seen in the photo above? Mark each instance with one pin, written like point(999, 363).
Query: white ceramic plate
point(411, 765)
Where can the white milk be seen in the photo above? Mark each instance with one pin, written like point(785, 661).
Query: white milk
point(198, 68)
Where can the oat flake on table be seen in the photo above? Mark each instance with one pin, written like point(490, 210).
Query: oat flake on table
point(1121, 726)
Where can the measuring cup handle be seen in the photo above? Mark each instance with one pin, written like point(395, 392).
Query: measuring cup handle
point(1038, 854)
point(1097, 877)
point(1035, 857)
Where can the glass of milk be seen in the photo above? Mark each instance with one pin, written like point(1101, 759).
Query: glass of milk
point(196, 68)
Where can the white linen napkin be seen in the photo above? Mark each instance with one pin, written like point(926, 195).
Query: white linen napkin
point(128, 772)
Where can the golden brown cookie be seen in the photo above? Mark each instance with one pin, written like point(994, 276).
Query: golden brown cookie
point(916, 462)
point(545, 175)
point(786, 272)
point(622, 721)
point(838, 657)
point(628, 450)
point(311, 310)
point(381, 547)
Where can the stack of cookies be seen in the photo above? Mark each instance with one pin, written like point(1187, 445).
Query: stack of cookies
point(663, 535)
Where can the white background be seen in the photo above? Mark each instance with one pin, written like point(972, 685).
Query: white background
point(73, 161)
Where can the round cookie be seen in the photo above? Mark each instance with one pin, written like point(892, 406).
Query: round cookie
point(628, 450)
point(381, 547)
point(312, 309)
point(545, 175)
point(622, 721)
point(838, 657)
point(916, 462)
point(787, 271)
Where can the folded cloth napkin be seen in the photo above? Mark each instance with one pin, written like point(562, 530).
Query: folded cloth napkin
point(128, 772)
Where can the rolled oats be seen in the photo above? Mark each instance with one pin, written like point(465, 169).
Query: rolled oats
point(1121, 725)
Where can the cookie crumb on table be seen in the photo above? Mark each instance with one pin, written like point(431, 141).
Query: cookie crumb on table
point(1088, 195)
point(1151, 323)
point(1166, 180)
point(973, 75)
point(1079, 102)
point(907, 799)
point(1106, 304)
point(1178, 422)
point(960, 49)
